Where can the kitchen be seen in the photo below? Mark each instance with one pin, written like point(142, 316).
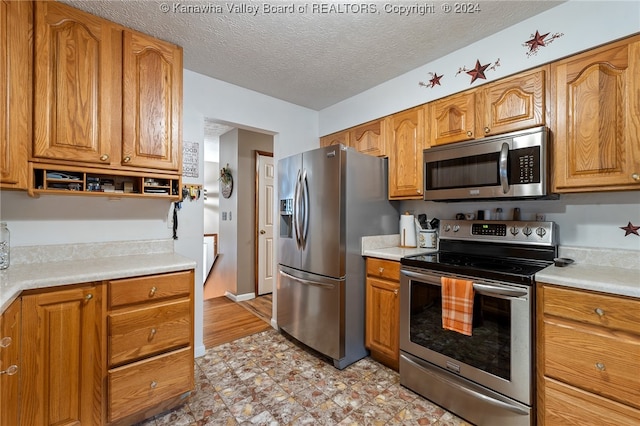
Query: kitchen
point(585, 220)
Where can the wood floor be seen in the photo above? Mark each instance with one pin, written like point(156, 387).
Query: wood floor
point(225, 320)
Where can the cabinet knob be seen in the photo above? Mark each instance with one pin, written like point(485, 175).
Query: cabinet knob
point(469, 133)
point(600, 366)
point(126, 159)
point(487, 130)
point(152, 334)
point(380, 270)
point(395, 291)
point(635, 177)
point(152, 292)
point(5, 342)
point(599, 311)
point(88, 297)
point(104, 157)
point(153, 384)
point(10, 371)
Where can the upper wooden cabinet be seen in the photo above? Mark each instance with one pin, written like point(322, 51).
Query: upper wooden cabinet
point(77, 74)
point(514, 103)
point(406, 141)
point(336, 139)
point(16, 29)
point(453, 118)
point(152, 102)
point(104, 96)
point(369, 138)
point(597, 119)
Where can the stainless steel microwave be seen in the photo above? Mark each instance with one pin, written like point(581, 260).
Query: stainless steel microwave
point(511, 165)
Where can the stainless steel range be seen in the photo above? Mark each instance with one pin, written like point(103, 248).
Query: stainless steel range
point(486, 378)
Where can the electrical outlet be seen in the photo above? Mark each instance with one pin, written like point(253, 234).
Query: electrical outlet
point(224, 215)
point(229, 215)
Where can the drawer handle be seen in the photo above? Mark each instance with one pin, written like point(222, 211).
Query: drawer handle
point(381, 270)
point(600, 366)
point(152, 334)
point(152, 292)
point(154, 384)
point(5, 342)
point(599, 311)
point(10, 371)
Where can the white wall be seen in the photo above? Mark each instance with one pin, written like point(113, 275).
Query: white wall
point(586, 220)
point(295, 130)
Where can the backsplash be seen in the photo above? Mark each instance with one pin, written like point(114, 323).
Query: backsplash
point(84, 251)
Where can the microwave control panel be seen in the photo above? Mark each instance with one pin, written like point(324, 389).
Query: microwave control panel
point(525, 165)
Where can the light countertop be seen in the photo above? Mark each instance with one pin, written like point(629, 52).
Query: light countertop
point(86, 266)
point(388, 247)
point(607, 271)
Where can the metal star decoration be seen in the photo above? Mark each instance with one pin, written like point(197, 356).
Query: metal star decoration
point(478, 71)
point(435, 79)
point(630, 229)
point(536, 41)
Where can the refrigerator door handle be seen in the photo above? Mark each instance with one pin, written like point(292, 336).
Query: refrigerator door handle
point(309, 282)
point(305, 204)
point(296, 210)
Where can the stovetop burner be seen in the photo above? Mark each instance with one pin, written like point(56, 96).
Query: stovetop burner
point(511, 251)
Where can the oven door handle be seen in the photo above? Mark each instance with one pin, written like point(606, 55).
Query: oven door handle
point(481, 288)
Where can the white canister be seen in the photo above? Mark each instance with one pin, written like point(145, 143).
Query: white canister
point(428, 238)
point(407, 231)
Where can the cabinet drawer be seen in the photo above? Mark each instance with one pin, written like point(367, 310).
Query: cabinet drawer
point(141, 385)
point(565, 405)
point(383, 269)
point(594, 360)
point(135, 334)
point(154, 287)
point(609, 311)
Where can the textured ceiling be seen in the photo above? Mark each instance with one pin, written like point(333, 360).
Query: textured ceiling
point(315, 57)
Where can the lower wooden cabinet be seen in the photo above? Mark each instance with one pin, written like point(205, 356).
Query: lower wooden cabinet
point(10, 367)
point(114, 352)
point(149, 345)
point(382, 335)
point(588, 358)
point(61, 368)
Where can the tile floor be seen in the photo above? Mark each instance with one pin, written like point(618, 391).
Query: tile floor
point(265, 379)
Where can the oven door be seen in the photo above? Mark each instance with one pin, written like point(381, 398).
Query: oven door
point(499, 353)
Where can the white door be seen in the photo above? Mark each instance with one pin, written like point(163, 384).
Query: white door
point(265, 212)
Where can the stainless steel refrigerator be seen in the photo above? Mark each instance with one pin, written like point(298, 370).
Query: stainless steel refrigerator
point(329, 199)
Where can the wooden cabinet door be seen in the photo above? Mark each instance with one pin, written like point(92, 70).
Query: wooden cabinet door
point(76, 80)
point(405, 136)
point(61, 358)
point(369, 138)
point(513, 104)
point(335, 139)
point(152, 103)
point(16, 30)
point(453, 118)
point(10, 363)
point(383, 319)
point(597, 125)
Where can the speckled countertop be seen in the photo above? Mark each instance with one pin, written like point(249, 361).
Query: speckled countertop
point(604, 270)
point(388, 247)
point(54, 265)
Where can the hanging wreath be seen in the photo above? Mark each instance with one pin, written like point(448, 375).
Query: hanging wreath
point(226, 181)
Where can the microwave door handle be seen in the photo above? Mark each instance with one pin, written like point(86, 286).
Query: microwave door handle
point(502, 170)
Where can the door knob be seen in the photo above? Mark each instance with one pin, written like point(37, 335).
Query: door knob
point(262, 232)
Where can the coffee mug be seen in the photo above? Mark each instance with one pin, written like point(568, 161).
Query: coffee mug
point(459, 216)
point(470, 216)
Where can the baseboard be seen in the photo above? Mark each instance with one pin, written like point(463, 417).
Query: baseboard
point(240, 297)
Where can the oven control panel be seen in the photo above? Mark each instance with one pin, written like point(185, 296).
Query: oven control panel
point(518, 232)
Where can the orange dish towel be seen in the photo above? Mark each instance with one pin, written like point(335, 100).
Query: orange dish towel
point(457, 305)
